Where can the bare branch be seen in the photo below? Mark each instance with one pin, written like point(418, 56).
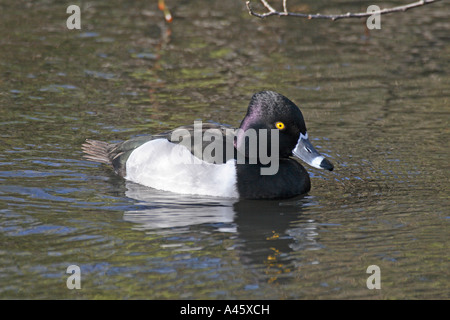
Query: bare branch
point(268, 6)
point(272, 12)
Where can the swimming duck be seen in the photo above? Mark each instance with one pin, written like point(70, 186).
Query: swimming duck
point(255, 161)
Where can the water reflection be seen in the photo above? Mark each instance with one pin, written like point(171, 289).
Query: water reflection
point(272, 231)
point(167, 210)
point(265, 233)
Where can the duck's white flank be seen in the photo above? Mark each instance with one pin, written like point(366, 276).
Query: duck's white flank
point(163, 165)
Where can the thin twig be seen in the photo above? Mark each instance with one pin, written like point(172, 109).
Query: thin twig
point(272, 12)
point(285, 6)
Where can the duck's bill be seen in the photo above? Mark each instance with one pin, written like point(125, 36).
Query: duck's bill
point(305, 151)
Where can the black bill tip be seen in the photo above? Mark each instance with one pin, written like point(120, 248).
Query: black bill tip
point(325, 164)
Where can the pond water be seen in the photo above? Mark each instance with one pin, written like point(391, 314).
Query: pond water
point(376, 104)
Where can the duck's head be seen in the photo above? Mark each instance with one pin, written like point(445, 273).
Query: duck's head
point(271, 110)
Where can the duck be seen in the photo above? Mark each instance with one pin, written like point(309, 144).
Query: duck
point(258, 160)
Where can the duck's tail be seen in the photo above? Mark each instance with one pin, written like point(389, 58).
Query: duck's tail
point(98, 151)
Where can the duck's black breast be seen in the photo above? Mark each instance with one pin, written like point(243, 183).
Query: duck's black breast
point(291, 180)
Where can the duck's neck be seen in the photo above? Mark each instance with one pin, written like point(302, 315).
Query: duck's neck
point(290, 180)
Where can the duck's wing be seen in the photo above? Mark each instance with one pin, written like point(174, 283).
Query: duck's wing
point(213, 136)
point(215, 144)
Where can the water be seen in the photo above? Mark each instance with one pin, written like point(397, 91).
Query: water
point(375, 104)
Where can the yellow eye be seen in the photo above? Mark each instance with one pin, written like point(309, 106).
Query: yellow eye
point(280, 125)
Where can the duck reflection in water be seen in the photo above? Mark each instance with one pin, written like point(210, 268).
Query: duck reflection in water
point(263, 232)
